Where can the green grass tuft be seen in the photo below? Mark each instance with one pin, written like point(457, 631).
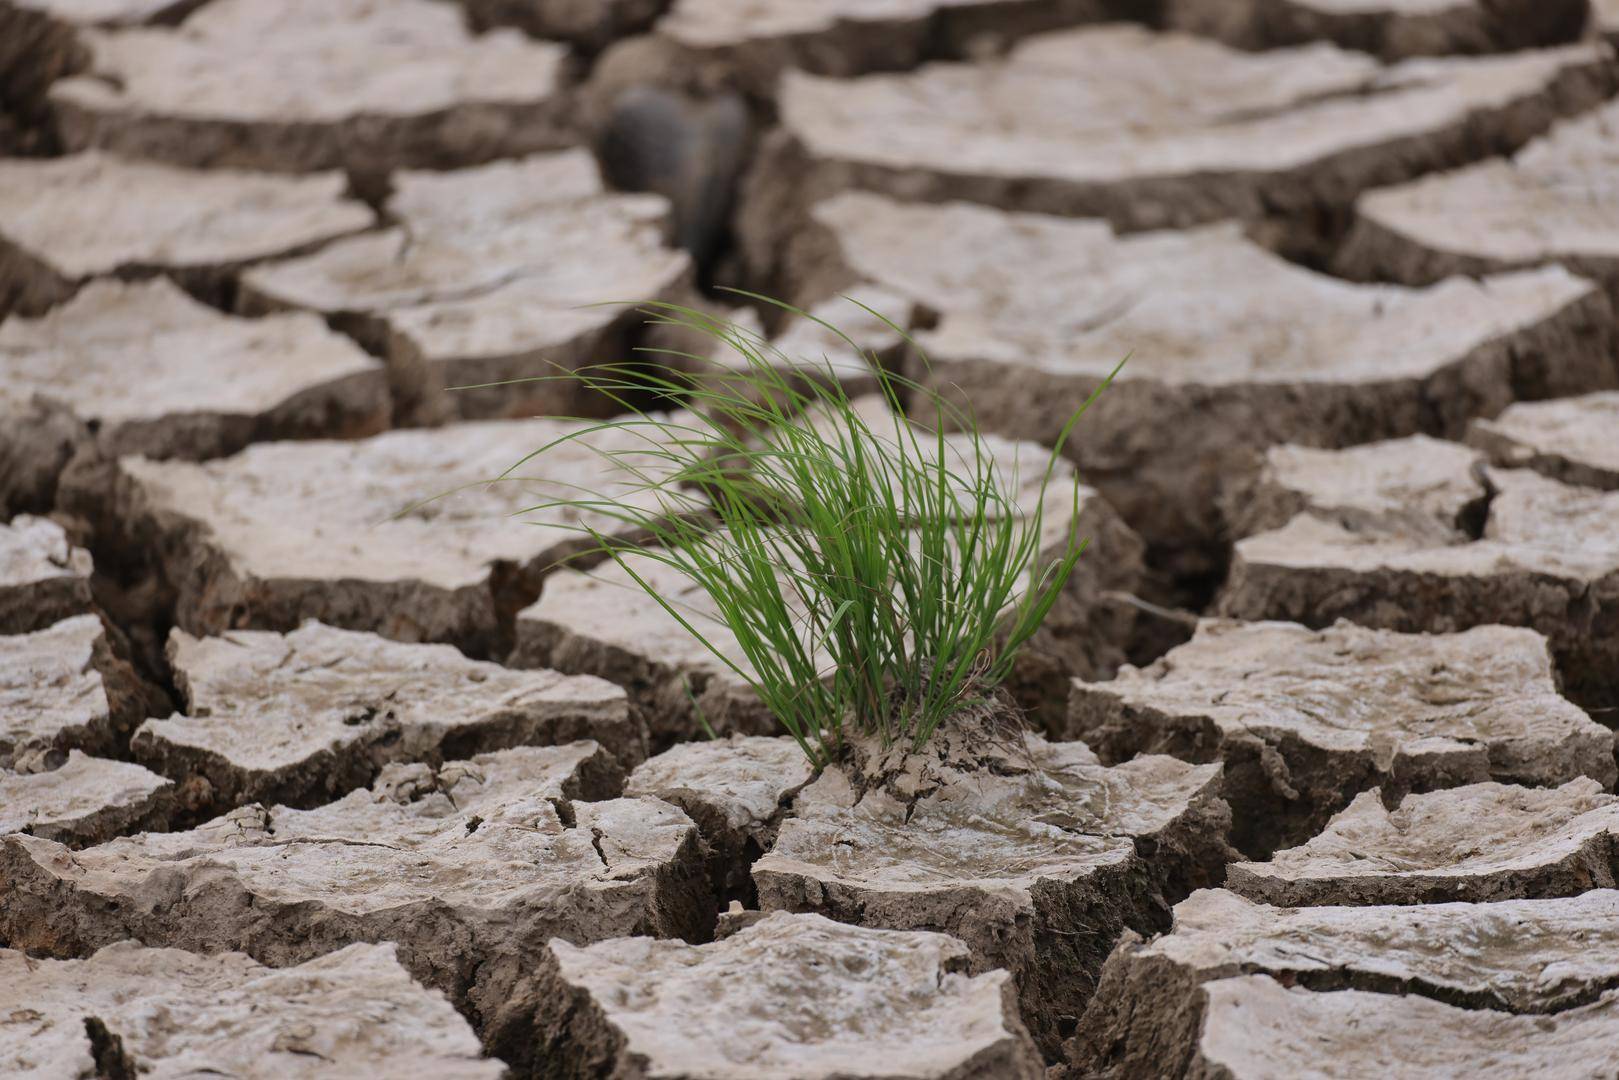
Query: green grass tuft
point(876, 577)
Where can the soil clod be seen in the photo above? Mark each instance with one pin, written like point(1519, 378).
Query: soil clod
point(315, 84)
point(468, 908)
point(1540, 554)
point(132, 1011)
point(1306, 719)
point(1482, 842)
point(789, 997)
point(66, 220)
point(1529, 957)
point(304, 717)
point(1573, 440)
point(1032, 853)
point(515, 270)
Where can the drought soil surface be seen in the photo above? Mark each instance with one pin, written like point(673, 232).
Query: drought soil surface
point(318, 757)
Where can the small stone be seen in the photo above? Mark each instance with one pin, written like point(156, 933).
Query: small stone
point(470, 868)
point(1554, 201)
point(735, 919)
point(209, 383)
point(1483, 842)
point(1305, 719)
point(404, 534)
point(603, 623)
point(1542, 554)
point(301, 718)
point(43, 577)
point(737, 790)
point(84, 801)
point(1037, 863)
point(1257, 1028)
point(492, 274)
point(315, 84)
point(1392, 29)
point(1575, 440)
point(1231, 349)
point(62, 688)
point(65, 220)
point(1152, 130)
point(1515, 956)
point(166, 1012)
point(789, 997)
point(689, 149)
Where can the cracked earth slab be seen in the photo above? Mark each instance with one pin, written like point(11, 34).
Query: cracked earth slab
point(1037, 863)
point(402, 534)
point(83, 800)
point(1305, 719)
point(469, 868)
point(66, 220)
point(1574, 440)
point(790, 997)
point(39, 40)
point(1152, 130)
point(1546, 557)
point(750, 44)
point(1514, 956)
point(1392, 29)
point(1482, 842)
point(39, 43)
point(44, 578)
point(806, 350)
point(316, 84)
point(602, 623)
point(209, 383)
point(1554, 201)
point(304, 717)
point(1420, 486)
point(491, 274)
point(62, 688)
point(591, 26)
point(130, 1010)
point(736, 790)
point(1258, 1028)
point(110, 12)
point(1217, 369)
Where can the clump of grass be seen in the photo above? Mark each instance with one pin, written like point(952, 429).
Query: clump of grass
point(876, 577)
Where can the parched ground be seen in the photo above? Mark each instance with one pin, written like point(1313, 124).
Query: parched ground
point(314, 760)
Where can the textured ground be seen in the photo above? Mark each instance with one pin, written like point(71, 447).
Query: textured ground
point(314, 763)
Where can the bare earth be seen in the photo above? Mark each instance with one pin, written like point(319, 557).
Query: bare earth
point(332, 745)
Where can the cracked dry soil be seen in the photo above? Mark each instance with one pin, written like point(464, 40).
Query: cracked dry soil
point(1311, 772)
